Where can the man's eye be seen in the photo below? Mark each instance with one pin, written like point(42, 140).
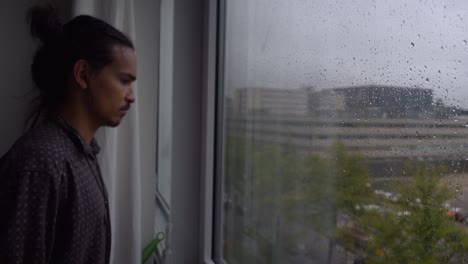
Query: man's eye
point(125, 81)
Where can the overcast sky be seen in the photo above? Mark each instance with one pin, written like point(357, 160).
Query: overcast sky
point(330, 43)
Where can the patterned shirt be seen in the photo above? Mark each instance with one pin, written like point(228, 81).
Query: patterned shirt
point(53, 202)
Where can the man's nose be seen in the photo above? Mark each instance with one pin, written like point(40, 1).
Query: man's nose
point(130, 96)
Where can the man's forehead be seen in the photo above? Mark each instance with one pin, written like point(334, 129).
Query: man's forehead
point(124, 60)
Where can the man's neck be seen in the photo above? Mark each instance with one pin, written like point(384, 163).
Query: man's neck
point(79, 122)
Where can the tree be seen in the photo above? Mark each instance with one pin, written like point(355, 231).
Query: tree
point(332, 194)
point(336, 184)
point(414, 228)
point(410, 227)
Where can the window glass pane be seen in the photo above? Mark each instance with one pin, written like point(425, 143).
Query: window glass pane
point(346, 131)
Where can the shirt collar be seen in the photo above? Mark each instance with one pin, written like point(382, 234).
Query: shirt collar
point(92, 148)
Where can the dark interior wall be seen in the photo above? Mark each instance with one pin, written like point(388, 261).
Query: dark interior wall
point(16, 51)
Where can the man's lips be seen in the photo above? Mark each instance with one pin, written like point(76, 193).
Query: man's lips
point(125, 108)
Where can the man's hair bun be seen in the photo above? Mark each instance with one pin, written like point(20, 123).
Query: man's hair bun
point(44, 22)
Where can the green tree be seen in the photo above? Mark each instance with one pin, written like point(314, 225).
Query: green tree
point(414, 228)
point(334, 184)
point(275, 183)
point(256, 177)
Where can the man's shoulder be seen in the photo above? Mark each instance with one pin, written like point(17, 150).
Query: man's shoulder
point(43, 148)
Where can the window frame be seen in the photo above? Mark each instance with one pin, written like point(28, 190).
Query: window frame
point(218, 165)
point(193, 219)
point(210, 122)
point(213, 138)
point(185, 67)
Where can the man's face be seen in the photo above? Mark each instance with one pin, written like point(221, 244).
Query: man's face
point(111, 88)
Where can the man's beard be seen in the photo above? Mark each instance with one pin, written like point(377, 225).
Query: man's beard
point(111, 123)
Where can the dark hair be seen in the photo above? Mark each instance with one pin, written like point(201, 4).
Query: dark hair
point(83, 37)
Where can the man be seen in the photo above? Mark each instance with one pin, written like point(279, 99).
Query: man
point(52, 197)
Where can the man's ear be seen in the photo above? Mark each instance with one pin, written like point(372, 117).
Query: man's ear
point(81, 73)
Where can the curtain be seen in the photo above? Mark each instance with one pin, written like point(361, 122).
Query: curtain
point(122, 150)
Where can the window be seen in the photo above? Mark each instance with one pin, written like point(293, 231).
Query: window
point(345, 131)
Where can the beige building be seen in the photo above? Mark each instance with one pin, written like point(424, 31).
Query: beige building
point(386, 144)
point(387, 125)
point(271, 101)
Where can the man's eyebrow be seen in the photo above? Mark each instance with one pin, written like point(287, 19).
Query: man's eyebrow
point(129, 75)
